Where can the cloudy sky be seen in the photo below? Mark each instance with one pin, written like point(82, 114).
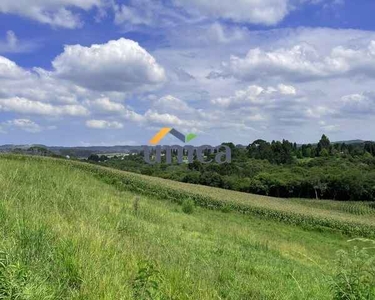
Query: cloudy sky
point(110, 72)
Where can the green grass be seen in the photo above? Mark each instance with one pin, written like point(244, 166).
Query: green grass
point(75, 231)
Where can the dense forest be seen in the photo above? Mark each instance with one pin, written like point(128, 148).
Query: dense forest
point(324, 170)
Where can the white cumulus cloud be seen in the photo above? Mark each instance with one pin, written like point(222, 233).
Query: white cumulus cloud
point(362, 103)
point(10, 70)
point(57, 13)
point(12, 44)
point(121, 65)
point(302, 63)
point(171, 103)
point(25, 106)
point(255, 95)
point(268, 12)
point(23, 124)
point(102, 124)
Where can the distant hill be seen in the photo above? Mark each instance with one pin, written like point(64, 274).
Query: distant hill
point(12, 147)
point(81, 152)
point(87, 151)
point(351, 142)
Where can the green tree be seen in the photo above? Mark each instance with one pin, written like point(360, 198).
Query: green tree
point(324, 144)
point(94, 158)
point(324, 153)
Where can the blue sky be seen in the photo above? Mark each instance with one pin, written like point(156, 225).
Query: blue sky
point(110, 72)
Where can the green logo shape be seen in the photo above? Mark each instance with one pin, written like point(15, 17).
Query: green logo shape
point(190, 137)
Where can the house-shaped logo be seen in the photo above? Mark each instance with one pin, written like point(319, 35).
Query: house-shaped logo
point(166, 130)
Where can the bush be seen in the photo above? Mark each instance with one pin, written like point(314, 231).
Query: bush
point(355, 275)
point(146, 285)
point(188, 206)
point(226, 209)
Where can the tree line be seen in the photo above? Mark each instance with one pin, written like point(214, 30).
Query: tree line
point(323, 170)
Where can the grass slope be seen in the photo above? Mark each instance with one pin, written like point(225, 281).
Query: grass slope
point(74, 231)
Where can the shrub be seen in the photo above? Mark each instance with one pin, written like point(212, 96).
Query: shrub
point(355, 275)
point(146, 284)
point(226, 209)
point(188, 206)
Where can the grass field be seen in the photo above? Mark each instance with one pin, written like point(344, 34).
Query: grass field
point(75, 231)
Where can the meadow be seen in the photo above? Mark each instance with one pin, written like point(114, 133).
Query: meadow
point(70, 230)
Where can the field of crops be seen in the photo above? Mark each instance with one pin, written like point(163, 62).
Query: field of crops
point(352, 218)
point(70, 230)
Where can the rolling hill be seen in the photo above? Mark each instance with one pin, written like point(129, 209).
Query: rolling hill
point(70, 230)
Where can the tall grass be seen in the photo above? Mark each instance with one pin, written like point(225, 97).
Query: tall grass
point(355, 274)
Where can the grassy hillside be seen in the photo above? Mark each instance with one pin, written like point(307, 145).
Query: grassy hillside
point(75, 231)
